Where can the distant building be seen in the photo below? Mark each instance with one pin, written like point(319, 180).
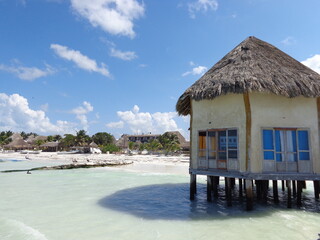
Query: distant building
point(123, 142)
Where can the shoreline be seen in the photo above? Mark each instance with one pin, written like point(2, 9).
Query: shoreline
point(138, 163)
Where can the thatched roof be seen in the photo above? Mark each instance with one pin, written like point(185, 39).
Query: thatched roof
point(18, 143)
point(253, 65)
point(50, 144)
point(93, 145)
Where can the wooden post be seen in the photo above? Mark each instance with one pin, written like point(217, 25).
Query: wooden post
point(228, 184)
point(246, 99)
point(215, 184)
point(193, 185)
point(233, 182)
point(294, 188)
point(304, 185)
point(265, 188)
point(209, 189)
point(282, 185)
point(299, 192)
point(289, 202)
point(275, 191)
point(258, 189)
point(249, 194)
point(240, 187)
point(316, 186)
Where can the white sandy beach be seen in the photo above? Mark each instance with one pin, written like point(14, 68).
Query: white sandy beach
point(143, 163)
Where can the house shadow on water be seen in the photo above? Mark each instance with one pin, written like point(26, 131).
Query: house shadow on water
point(171, 202)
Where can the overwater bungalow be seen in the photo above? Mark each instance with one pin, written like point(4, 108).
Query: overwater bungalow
point(254, 116)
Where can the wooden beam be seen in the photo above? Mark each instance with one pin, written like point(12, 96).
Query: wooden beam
point(191, 133)
point(299, 192)
point(240, 187)
point(294, 188)
point(289, 202)
point(247, 106)
point(316, 185)
point(193, 185)
point(209, 189)
point(215, 184)
point(249, 194)
point(275, 191)
point(228, 188)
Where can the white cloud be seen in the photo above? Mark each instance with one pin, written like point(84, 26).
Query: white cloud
point(113, 16)
point(27, 73)
point(200, 70)
point(313, 63)
point(80, 60)
point(81, 114)
point(288, 41)
point(44, 107)
point(144, 122)
point(16, 115)
point(202, 6)
point(127, 56)
point(119, 124)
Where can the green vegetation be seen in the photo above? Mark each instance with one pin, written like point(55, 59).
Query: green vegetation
point(103, 138)
point(5, 137)
point(111, 148)
point(167, 142)
point(170, 142)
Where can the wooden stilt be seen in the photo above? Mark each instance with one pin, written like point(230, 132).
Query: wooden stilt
point(299, 192)
point(258, 189)
point(240, 187)
point(215, 184)
point(316, 186)
point(289, 202)
point(209, 189)
point(275, 191)
point(294, 188)
point(304, 185)
point(249, 194)
point(265, 187)
point(282, 185)
point(193, 185)
point(218, 180)
point(228, 191)
point(233, 182)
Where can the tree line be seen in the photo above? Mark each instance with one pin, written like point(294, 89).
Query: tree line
point(167, 142)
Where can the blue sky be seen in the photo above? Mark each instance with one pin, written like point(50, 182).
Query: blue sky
point(120, 65)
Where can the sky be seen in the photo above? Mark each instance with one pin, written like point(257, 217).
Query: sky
point(119, 66)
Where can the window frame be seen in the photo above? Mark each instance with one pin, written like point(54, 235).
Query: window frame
point(284, 152)
point(216, 151)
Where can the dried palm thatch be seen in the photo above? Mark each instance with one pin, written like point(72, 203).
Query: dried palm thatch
point(18, 143)
point(253, 65)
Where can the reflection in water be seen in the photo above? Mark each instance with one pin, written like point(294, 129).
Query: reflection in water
point(171, 202)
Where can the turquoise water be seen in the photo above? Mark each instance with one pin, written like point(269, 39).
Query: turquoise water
point(108, 203)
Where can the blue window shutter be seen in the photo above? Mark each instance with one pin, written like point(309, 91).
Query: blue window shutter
point(303, 140)
point(267, 139)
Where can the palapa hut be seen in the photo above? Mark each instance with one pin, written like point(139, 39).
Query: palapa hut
point(50, 146)
point(18, 144)
point(255, 116)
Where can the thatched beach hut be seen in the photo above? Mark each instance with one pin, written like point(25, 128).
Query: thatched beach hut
point(255, 115)
point(18, 144)
point(50, 146)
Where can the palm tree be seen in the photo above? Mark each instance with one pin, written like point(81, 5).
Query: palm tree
point(82, 138)
point(170, 142)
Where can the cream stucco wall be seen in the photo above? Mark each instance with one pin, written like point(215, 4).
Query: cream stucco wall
point(269, 110)
point(223, 112)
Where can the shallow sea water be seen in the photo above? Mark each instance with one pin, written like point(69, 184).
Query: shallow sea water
point(109, 203)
